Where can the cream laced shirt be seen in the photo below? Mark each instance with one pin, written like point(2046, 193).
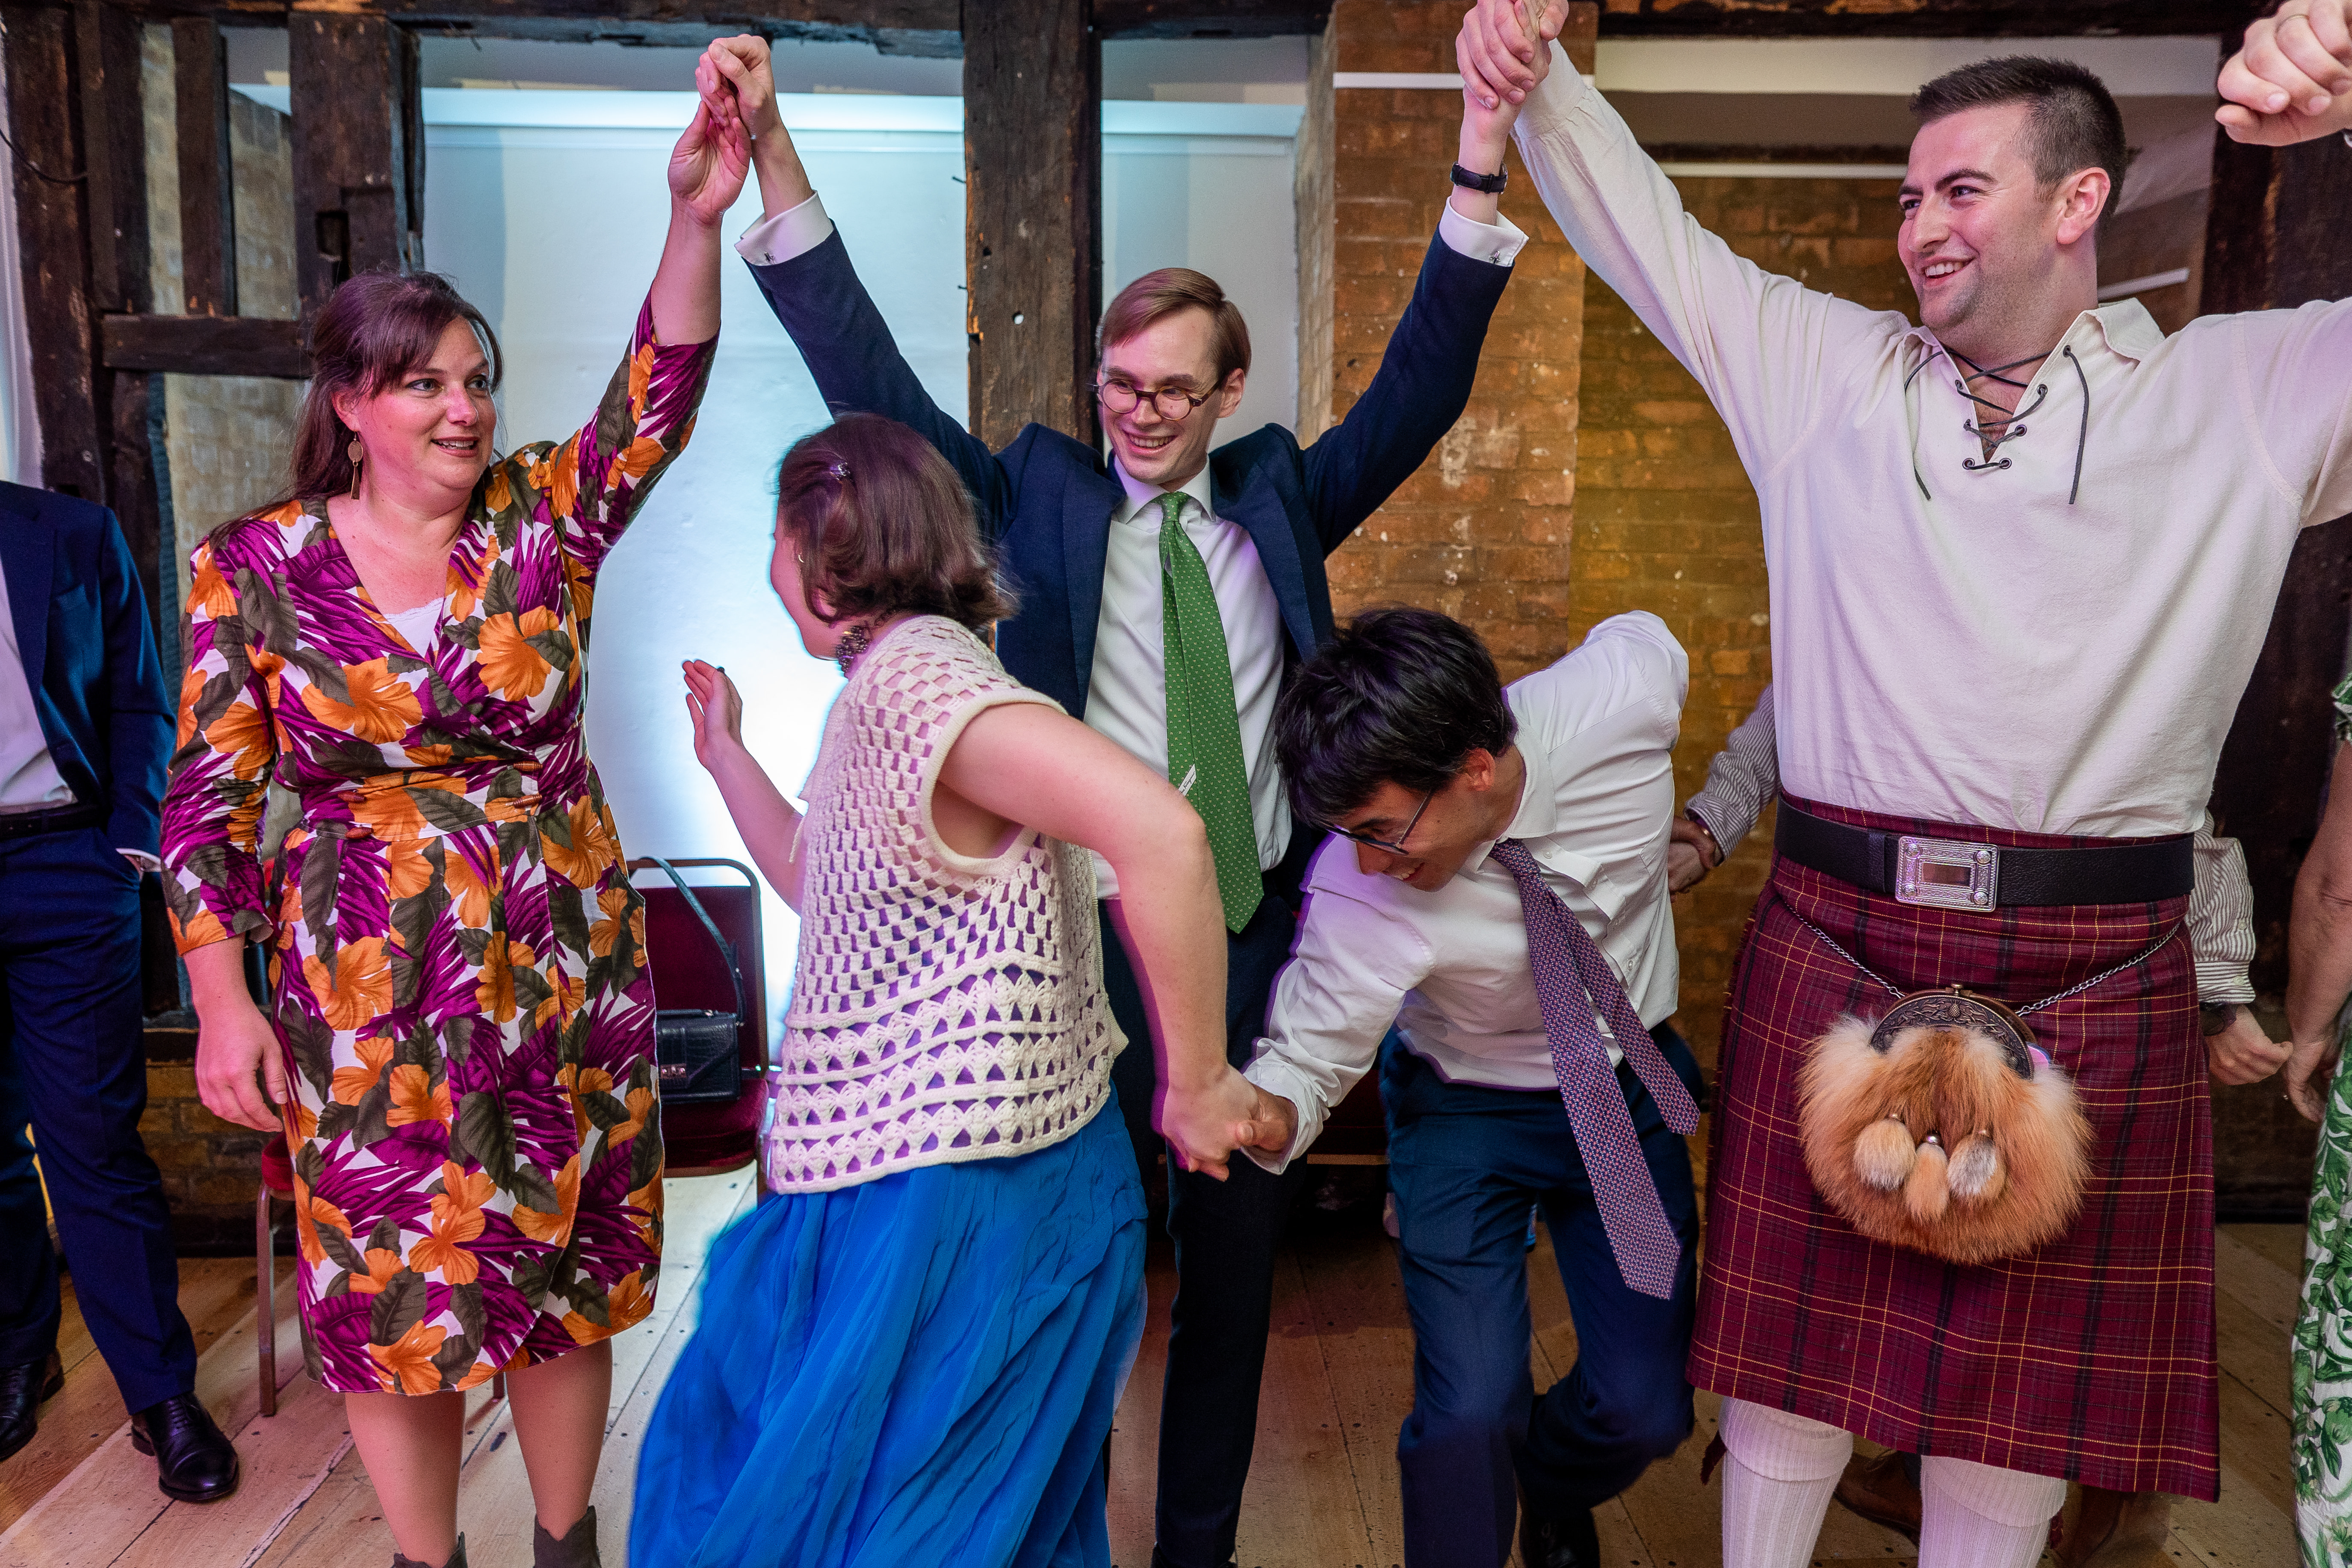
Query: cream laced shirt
point(944, 1007)
point(2055, 642)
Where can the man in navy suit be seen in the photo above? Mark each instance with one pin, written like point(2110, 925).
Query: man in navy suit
point(85, 728)
point(1163, 597)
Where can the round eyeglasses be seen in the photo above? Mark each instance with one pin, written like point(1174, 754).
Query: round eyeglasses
point(1173, 404)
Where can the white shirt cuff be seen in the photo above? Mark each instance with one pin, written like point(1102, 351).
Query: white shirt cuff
point(1499, 242)
point(141, 858)
point(792, 233)
point(1275, 1076)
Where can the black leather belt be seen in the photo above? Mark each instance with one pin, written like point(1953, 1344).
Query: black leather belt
point(1959, 874)
point(49, 819)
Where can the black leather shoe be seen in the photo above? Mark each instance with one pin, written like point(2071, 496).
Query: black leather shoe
point(193, 1461)
point(1557, 1539)
point(23, 1389)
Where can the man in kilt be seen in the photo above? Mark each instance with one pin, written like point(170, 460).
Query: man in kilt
point(2021, 558)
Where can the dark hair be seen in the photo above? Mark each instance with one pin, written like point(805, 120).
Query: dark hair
point(885, 525)
point(1399, 696)
point(375, 328)
point(2075, 123)
point(1156, 296)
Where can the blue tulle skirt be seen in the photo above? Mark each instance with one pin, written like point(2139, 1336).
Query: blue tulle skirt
point(920, 1369)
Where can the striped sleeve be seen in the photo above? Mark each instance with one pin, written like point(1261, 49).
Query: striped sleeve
point(1740, 779)
point(2221, 919)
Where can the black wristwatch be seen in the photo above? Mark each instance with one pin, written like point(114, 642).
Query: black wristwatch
point(2216, 1016)
point(1491, 184)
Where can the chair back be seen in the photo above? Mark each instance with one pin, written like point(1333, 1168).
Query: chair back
point(689, 970)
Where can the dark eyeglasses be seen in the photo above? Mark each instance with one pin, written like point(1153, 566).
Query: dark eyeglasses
point(1121, 397)
point(1394, 848)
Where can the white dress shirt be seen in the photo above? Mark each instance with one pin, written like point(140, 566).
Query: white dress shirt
point(30, 780)
point(1450, 968)
point(1747, 773)
point(1127, 692)
point(2056, 643)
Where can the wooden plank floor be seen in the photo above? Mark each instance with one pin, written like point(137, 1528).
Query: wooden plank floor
point(1323, 1491)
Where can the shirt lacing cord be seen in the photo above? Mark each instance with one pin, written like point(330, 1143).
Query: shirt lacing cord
point(2013, 424)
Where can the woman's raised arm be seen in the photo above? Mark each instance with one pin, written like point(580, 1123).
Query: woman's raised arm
point(1035, 766)
point(705, 174)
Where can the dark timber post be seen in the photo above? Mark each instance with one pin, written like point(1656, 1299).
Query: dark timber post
point(207, 213)
point(2274, 240)
point(45, 111)
point(359, 148)
point(1033, 226)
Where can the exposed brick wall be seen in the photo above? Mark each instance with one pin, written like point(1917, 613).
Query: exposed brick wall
point(1482, 531)
point(1666, 521)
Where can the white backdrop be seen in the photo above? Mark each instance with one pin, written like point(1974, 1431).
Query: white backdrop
point(548, 210)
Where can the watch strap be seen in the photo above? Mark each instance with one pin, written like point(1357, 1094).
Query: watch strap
point(1491, 184)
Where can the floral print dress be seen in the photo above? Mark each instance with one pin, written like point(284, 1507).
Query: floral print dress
point(2321, 1355)
point(455, 957)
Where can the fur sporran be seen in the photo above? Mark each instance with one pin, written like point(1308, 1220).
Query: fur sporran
point(1943, 1130)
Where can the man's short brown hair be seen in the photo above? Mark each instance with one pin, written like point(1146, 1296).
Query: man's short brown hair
point(2074, 122)
point(1156, 296)
point(885, 526)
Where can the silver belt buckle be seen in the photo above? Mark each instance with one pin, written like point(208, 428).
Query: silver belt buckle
point(1947, 874)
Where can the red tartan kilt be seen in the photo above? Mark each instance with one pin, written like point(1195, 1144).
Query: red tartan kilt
point(2092, 1358)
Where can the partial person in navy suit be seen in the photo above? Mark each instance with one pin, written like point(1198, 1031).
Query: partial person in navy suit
point(85, 728)
point(1173, 644)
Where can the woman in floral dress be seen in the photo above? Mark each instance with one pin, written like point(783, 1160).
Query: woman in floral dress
point(460, 1035)
point(2319, 979)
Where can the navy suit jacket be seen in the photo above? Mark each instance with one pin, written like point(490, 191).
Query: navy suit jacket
point(89, 657)
point(1046, 500)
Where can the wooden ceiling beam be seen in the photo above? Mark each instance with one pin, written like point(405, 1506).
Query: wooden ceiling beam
point(1919, 18)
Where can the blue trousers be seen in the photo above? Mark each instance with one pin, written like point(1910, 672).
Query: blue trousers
point(73, 1071)
point(1466, 1163)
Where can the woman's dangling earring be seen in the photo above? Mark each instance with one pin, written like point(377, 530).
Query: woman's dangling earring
point(355, 452)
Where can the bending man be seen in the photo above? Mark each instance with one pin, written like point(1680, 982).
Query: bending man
point(1502, 888)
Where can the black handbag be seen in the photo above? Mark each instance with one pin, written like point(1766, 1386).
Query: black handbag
point(697, 1052)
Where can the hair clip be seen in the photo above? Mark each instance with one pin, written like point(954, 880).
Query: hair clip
point(837, 469)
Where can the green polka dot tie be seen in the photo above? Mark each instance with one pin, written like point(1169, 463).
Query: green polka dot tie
point(1205, 726)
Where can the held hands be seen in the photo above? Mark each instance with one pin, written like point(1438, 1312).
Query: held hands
point(2242, 1053)
point(1505, 49)
point(2309, 1072)
point(717, 709)
point(2292, 81)
point(1691, 854)
point(707, 167)
point(1203, 1126)
point(742, 83)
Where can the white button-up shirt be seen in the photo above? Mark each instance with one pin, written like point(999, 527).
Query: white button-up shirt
point(1126, 693)
point(30, 780)
point(2056, 643)
point(1450, 967)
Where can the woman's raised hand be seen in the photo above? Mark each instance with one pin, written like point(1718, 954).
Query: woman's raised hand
point(717, 709)
point(707, 167)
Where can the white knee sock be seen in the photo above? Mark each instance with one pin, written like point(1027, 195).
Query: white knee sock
point(1779, 1472)
point(1974, 1516)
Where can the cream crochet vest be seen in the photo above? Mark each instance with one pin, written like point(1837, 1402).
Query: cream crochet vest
point(944, 1008)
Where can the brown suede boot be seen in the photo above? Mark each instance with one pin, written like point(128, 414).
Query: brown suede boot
point(1880, 1490)
point(457, 1558)
point(2115, 1529)
point(577, 1550)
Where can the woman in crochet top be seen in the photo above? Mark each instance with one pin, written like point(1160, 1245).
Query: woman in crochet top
point(913, 1354)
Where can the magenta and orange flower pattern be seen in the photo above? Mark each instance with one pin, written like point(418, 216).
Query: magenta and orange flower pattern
point(456, 957)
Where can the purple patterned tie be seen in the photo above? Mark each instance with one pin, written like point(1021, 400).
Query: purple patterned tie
point(1572, 979)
